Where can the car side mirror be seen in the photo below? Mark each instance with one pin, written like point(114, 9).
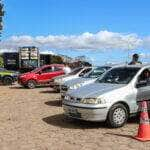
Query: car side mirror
point(141, 84)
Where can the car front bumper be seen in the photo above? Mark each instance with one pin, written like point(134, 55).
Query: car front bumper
point(85, 113)
point(52, 83)
point(22, 81)
point(57, 87)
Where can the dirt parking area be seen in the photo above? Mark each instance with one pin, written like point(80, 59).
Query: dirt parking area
point(34, 120)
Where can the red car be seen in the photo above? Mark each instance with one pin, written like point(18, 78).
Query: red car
point(40, 75)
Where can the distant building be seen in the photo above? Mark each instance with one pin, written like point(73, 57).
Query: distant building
point(66, 59)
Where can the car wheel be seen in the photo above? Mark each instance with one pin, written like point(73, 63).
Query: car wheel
point(7, 81)
point(31, 84)
point(117, 116)
point(58, 91)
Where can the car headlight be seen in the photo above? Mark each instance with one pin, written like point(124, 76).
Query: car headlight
point(75, 86)
point(93, 101)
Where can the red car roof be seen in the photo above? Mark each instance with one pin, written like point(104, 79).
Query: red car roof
point(57, 65)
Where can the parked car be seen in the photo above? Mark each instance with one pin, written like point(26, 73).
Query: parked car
point(7, 77)
point(76, 73)
point(113, 98)
point(40, 75)
point(81, 81)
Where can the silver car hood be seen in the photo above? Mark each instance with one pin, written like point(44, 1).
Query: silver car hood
point(94, 90)
point(62, 76)
point(76, 81)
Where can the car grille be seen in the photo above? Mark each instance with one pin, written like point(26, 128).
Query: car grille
point(64, 88)
point(72, 99)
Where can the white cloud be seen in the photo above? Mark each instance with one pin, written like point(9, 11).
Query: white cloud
point(145, 55)
point(102, 40)
point(7, 50)
point(48, 52)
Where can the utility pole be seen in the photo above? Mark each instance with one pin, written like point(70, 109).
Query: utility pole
point(1, 16)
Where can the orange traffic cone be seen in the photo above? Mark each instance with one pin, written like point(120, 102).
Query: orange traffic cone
point(144, 126)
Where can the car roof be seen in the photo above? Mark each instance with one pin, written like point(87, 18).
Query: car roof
point(110, 65)
point(133, 66)
point(57, 65)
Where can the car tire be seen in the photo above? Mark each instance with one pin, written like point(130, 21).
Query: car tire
point(31, 84)
point(7, 81)
point(117, 116)
point(57, 91)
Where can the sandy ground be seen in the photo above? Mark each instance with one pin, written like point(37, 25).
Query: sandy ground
point(34, 120)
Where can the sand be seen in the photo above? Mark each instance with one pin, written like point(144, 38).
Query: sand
point(34, 120)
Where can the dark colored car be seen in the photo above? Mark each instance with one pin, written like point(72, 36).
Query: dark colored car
point(40, 75)
point(7, 77)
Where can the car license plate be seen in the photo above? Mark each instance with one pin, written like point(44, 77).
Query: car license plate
point(74, 112)
point(67, 97)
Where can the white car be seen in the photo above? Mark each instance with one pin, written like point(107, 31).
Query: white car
point(90, 77)
point(76, 73)
point(113, 98)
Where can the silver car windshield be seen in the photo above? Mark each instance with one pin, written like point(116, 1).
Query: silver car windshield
point(122, 75)
point(97, 72)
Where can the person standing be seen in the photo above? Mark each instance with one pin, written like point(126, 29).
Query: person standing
point(67, 69)
point(135, 60)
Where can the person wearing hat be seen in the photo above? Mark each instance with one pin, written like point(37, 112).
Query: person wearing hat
point(135, 60)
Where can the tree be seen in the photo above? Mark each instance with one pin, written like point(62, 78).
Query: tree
point(1, 61)
point(56, 59)
point(1, 16)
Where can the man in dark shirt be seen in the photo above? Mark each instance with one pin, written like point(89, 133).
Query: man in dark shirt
point(135, 60)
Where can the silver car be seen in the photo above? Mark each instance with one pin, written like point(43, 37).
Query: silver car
point(76, 73)
point(113, 98)
point(90, 77)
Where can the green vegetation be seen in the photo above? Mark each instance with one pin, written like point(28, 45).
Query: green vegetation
point(1, 16)
point(1, 61)
point(56, 59)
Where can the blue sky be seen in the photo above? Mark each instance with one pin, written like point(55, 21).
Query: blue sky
point(76, 17)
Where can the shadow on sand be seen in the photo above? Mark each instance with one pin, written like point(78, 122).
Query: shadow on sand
point(120, 135)
point(57, 103)
point(49, 92)
point(17, 87)
point(22, 87)
point(62, 121)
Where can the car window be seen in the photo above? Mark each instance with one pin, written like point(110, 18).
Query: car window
point(36, 70)
point(144, 77)
point(47, 69)
point(75, 71)
point(85, 71)
point(2, 69)
point(57, 69)
point(97, 72)
point(121, 75)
